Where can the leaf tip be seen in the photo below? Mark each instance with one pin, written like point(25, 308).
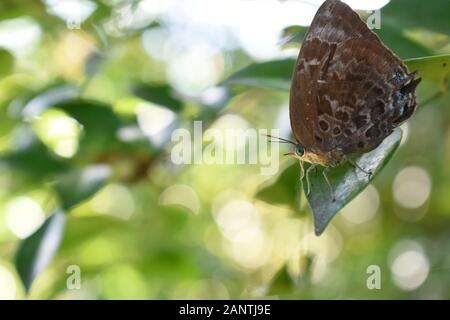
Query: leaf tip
point(318, 231)
point(320, 226)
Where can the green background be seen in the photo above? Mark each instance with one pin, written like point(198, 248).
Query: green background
point(83, 144)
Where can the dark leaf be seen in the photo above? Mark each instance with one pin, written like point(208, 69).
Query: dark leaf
point(284, 189)
point(271, 75)
point(162, 95)
point(85, 111)
point(97, 118)
point(36, 251)
point(282, 283)
point(100, 125)
point(79, 185)
point(347, 182)
point(99, 122)
point(33, 159)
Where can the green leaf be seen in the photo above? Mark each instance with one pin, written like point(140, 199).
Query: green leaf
point(88, 113)
point(100, 125)
point(435, 69)
point(6, 62)
point(270, 75)
point(277, 74)
point(79, 185)
point(97, 136)
point(347, 182)
point(431, 15)
point(34, 159)
point(280, 191)
point(36, 251)
point(293, 35)
point(282, 283)
point(159, 94)
point(47, 98)
point(85, 111)
point(403, 46)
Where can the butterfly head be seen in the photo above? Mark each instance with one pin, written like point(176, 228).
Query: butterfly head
point(304, 155)
point(301, 153)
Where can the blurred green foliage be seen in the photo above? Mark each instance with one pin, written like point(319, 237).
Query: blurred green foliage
point(87, 180)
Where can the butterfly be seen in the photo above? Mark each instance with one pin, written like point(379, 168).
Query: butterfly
point(349, 91)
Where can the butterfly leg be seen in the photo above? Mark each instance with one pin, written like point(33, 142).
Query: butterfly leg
point(308, 183)
point(302, 170)
point(355, 165)
point(325, 175)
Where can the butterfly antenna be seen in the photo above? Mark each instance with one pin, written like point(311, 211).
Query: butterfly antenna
point(280, 140)
point(286, 39)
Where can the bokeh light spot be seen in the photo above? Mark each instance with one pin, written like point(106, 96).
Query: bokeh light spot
point(8, 289)
point(155, 121)
point(196, 69)
point(409, 265)
point(20, 35)
point(24, 216)
point(182, 195)
point(412, 187)
point(115, 200)
point(364, 207)
point(58, 131)
point(246, 242)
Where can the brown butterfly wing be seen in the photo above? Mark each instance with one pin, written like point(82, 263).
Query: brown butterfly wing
point(334, 23)
point(368, 91)
point(349, 91)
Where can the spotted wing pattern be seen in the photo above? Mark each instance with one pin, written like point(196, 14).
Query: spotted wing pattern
point(349, 91)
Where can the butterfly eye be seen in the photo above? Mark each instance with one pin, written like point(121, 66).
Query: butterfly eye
point(299, 150)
